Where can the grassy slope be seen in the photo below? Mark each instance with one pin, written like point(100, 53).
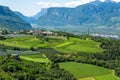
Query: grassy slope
point(60, 44)
point(86, 71)
point(77, 45)
point(36, 58)
point(29, 41)
point(22, 42)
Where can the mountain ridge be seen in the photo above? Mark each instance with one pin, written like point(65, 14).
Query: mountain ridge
point(93, 14)
point(9, 20)
point(25, 18)
point(98, 13)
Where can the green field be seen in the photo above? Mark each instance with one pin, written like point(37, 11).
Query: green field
point(36, 58)
point(30, 41)
point(59, 44)
point(77, 45)
point(88, 72)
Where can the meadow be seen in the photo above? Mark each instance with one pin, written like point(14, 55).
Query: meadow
point(60, 44)
point(88, 72)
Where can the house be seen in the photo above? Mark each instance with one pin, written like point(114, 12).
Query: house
point(16, 56)
point(14, 32)
point(30, 32)
point(1, 32)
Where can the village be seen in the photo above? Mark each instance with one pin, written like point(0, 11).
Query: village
point(49, 33)
point(28, 32)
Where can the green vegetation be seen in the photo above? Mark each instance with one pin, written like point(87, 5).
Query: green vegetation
point(22, 42)
point(36, 58)
point(80, 70)
point(13, 69)
point(51, 55)
point(107, 77)
point(29, 41)
point(74, 45)
point(11, 21)
point(60, 44)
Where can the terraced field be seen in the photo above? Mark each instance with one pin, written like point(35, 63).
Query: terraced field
point(77, 45)
point(59, 44)
point(30, 41)
point(36, 58)
point(88, 72)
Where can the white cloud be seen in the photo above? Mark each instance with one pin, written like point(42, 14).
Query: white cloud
point(102, 0)
point(76, 3)
point(48, 4)
point(67, 4)
point(116, 0)
point(111, 0)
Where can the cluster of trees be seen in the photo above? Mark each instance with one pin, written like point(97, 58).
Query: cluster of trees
point(65, 34)
point(2, 38)
point(13, 69)
point(111, 55)
point(43, 38)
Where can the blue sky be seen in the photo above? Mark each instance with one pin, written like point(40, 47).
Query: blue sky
point(31, 7)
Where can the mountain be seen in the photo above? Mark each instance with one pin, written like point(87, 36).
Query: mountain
point(33, 19)
point(9, 20)
point(91, 14)
point(25, 18)
point(41, 13)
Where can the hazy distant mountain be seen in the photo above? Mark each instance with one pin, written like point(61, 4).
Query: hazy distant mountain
point(9, 20)
point(91, 14)
point(25, 18)
point(41, 13)
point(33, 19)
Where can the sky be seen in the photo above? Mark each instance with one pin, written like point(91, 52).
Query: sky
point(32, 7)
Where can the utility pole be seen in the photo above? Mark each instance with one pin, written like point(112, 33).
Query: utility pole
point(88, 31)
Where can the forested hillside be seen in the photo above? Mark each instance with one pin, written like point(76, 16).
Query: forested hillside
point(9, 20)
